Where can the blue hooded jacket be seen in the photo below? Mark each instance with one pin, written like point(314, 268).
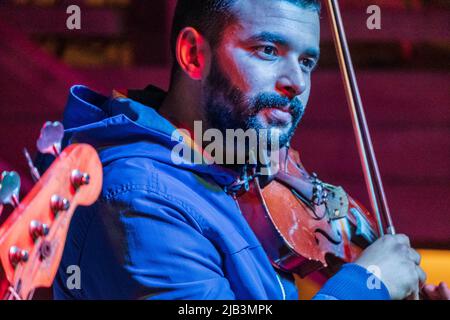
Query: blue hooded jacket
point(166, 231)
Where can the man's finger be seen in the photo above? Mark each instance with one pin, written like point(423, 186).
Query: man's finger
point(415, 295)
point(422, 276)
point(430, 292)
point(444, 291)
point(402, 238)
point(415, 256)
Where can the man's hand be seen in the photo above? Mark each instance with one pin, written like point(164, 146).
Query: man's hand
point(398, 264)
point(440, 292)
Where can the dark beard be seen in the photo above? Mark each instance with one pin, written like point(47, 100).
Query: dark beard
point(226, 107)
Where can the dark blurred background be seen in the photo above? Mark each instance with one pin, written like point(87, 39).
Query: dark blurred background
point(403, 72)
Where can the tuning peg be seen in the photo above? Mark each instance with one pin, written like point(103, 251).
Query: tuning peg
point(9, 188)
point(79, 179)
point(33, 170)
point(38, 229)
point(50, 139)
point(17, 255)
point(59, 204)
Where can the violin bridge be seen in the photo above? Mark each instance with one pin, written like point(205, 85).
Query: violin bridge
point(337, 204)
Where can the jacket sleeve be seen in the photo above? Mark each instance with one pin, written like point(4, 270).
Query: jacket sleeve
point(160, 248)
point(353, 282)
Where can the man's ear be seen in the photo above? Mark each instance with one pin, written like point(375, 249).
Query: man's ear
point(192, 50)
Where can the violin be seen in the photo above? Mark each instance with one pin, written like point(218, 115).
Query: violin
point(304, 224)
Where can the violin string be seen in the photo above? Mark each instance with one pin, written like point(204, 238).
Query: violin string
point(13, 294)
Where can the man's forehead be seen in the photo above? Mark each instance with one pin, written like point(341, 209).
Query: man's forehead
point(283, 11)
point(277, 16)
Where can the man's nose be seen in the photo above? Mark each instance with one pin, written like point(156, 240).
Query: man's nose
point(292, 83)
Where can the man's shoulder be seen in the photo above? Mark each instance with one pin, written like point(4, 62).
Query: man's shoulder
point(136, 172)
point(142, 173)
point(139, 178)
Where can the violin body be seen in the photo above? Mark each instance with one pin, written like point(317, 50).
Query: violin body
point(298, 236)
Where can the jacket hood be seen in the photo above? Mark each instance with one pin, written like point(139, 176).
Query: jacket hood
point(111, 124)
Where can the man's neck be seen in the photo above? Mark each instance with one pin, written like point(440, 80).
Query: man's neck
point(182, 106)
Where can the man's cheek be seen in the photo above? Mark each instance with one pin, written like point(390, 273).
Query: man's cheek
point(255, 75)
point(304, 97)
point(240, 70)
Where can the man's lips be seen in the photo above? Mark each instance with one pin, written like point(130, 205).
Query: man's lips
point(279, 115)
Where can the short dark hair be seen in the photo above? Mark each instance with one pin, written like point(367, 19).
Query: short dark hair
point(210, 17)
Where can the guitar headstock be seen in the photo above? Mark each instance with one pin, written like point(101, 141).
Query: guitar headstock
point(32, 238)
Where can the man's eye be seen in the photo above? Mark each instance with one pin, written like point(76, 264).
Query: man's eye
point(308, 63)
point(267, 51)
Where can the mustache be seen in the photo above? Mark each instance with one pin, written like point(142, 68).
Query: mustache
point(273, 100)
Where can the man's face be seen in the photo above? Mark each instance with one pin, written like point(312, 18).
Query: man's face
point(260, 75)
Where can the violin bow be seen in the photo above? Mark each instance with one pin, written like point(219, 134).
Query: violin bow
point(367, 157)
